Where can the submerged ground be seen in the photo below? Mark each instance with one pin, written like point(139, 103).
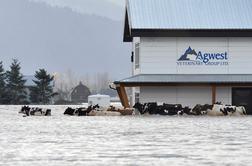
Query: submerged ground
point(133, 140)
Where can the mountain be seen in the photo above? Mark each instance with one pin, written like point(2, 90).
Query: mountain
point(104, 8)
point(58, 39)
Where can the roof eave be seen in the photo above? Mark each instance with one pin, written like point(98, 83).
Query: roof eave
point(241, 79)
point(127, 29)
point(128, 37)
point(191, 33)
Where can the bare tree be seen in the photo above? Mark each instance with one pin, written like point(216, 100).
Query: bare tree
point(65, 82)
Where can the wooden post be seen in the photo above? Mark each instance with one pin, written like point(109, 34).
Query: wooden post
point(213, 94)
point(123, 95)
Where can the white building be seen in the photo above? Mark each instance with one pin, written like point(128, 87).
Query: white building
point(189, 52)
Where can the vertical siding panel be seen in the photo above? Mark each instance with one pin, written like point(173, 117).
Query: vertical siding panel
point(159, 55)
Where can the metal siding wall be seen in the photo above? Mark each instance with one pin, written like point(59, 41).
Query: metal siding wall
point(224, 95)
point(187, 96)
point(159, 55)
point(158, 94)
point(241, 51)
point(190, 96)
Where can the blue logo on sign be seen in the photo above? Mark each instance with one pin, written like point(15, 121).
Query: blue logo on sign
point(191, 57)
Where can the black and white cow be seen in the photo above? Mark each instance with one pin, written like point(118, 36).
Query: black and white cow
point(82, 111)
point(224, 110)
point(165, 109)
point(35, 111)
point(141, 108)
point(201, 109)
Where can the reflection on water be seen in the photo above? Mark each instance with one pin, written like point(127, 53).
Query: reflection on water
point(135, 140)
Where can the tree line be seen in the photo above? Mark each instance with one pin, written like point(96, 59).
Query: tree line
point(14, 91)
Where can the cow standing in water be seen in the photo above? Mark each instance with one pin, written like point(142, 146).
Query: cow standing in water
point(165, 109)
point(201, 109)
point(35, 111)
point(224, 110)
point(80, 111)
point(217, 109)
point(90, 111)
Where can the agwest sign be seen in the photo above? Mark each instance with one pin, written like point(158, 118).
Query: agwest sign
point(191, 57)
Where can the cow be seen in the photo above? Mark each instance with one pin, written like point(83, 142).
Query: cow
point(35, 111)
point(80, 111)
point(171, 109)
point(140, 108)
point(124, 112)
point(240, 110)
point(201, 109)
point(220, 110)
point(69, 111)
point(103, 113)
point(186, 110)
point(24, 110)
point(226, 110)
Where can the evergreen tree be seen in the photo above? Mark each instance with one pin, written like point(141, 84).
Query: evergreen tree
point(43, 91)
point(16, 84)
point(2, 85)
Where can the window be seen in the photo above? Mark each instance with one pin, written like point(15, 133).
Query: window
point(137, 52)
point(132, 56)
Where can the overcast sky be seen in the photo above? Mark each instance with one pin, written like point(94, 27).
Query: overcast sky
point(62, 35)
point(113, 9)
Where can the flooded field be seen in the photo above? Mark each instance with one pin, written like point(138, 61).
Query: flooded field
point(133, 140)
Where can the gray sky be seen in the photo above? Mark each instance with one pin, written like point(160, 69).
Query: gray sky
point(113, 9)
point(64, 35)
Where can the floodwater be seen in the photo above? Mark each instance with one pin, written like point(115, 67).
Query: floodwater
point(133, 140)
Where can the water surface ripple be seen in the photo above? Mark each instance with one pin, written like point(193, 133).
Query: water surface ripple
point(134, 140)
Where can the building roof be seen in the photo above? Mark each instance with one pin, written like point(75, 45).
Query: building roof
point(153, 16)
point(188, 79)
point(81, 89)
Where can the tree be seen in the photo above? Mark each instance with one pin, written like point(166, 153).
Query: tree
point(2, 85)
point(42, 92)
point(16, 84)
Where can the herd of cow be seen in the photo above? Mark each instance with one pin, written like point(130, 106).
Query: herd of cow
point(82, 111)
point(217, 109)
point(98, 111)
point(35, 111)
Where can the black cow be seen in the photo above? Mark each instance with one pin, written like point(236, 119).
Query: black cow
point(171, 109)
point(69, 111)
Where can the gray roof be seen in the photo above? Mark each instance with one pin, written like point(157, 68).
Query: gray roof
point(188, 78)
point(190, 14)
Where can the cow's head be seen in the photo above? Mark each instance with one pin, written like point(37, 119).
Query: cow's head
point(24, 109)
point(139, 107)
